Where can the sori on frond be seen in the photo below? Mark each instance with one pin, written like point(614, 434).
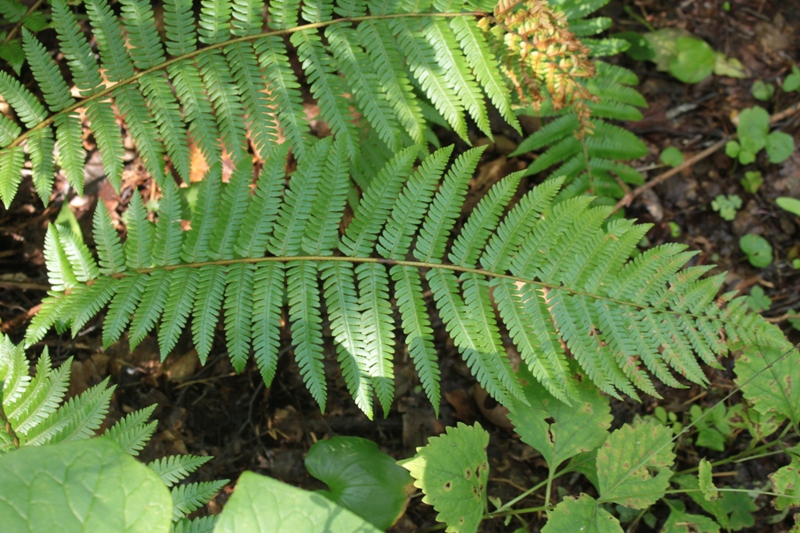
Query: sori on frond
point(541, 271)
point(223, 79)
point(33, 413)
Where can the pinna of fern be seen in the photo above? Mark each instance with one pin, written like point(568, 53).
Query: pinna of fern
point(225, 81)
point(546, 272)
point(34, 413)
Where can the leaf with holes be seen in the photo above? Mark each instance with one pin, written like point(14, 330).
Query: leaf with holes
point(786, 481)
point(452, 471)
point(361, 478)
point(629, 458)
point(768, 378)
point(581, 514)
point(557, 430)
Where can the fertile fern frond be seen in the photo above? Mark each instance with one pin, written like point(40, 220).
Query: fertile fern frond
point(557, 276)
point(33, 413)
point(218, 79)
point(579, 143)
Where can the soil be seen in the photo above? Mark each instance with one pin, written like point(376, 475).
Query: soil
point(210, 410)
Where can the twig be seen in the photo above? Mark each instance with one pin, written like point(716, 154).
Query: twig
point(628, 198)
point(786, 113)
point(787, 316)
point(24, 285)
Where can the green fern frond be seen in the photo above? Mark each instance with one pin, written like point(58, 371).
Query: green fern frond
point(557, 275)
point(35, 415)
point(133, 432)
point(188, 498)
point(217, 80)
point(175, 468)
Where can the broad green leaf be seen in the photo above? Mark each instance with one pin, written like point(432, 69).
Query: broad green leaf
point(706, 483)
point(753, 128)
point(771, 390)
point(452, 471)
point(762, 91)
point(264, 505)
point(789, 204)
point(582, 515)
point(732, 148)
point(626, 460)
point(694, 60)
point(556, 430)
point(758, 250)
point(361, 478)
point(786, 480)
point(671, 156)
point(81, 487)
point(792, 81)
point(680, 521)
point(780, 146)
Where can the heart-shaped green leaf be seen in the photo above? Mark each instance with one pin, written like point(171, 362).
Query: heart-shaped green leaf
point(452, 471)
point(85, 486)
point(264, 505)
point(753, 128)
point(779, 146)
point(758, 250)
point(361, 478)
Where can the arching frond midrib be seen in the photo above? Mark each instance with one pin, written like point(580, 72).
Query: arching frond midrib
point(544, 297)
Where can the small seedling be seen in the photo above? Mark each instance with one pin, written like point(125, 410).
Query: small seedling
point(674, 230)
point(754, 135)
point(757, 249)
point(727, 206)
point(762, 90)
point(671, 156)
point(792, 81)
point(758, 301)
point(752, 181)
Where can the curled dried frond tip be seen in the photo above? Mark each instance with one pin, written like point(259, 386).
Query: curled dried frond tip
point(537, 51)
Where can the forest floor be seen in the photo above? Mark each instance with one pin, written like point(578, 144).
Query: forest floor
point(211, 410)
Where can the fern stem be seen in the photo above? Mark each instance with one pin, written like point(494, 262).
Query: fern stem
point(3, 418)
point(99, 95)
point(414, 264)
point(15, 30)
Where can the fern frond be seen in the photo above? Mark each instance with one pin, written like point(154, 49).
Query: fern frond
point(41, 398)
point(188, 498)
point(133, 432)
point(175, 468)
point(557, 275)
point(203, 524)
point(76, 419)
